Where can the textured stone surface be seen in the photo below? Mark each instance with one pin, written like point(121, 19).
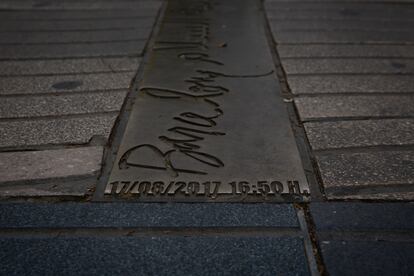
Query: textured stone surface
point(32, 106)
point(291, 24)
point(365, 238)
point(65, 83)
point(67, 66)
point(355, 106)
point(368, 258)
point(72, 37)
point(149, 255)
point(38, 14)
point(97, 24)
point(342, 134)
point(76, 130)
point(351, 83)
point(323, 50)
point(341, 13)
point(49, 164)
point(76, 5)
point(343, 37)
point(50, 188)
point(114, 215)
point(356, 216)
point(18, 52)
point(369, 173)
point(348, 66)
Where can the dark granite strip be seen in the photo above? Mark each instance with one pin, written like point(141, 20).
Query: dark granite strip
point(154, 255)
point(354, 216)
point(361, 258)
point(114, 215)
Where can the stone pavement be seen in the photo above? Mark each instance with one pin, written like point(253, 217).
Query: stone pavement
point(309, 97)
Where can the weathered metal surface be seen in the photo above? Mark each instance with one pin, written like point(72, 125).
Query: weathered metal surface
point(208, 122)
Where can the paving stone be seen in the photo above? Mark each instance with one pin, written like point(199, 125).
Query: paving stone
point(17, 52)
point(361, 133)
point(345, 6)
point(357, 216)
point(373, 251)
point(29, 15)
point(341, 14)
point(339, 25)
point(67, 187)
point(149, 255)
point(367, 174)
point(368, 258)
point(53, 25)
point(46, 38)
point(65, 83)
point(351, 83)
point(52, 105)
point(79, 5)
point(49, 164)
point(354, 106)
point(364, 51)
point(72, 130)
point(348, 66)
point(343, 37)
point(68, 66)
point(142, 215)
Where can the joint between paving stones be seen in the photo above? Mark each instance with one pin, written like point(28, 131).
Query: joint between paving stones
point(307, 158)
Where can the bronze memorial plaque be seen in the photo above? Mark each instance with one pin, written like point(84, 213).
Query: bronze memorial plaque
point(208, 122)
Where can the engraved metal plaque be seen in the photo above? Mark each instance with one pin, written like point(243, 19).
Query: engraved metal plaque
point(208, 122)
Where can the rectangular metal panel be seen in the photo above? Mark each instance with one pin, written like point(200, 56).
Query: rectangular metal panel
point(208, 122)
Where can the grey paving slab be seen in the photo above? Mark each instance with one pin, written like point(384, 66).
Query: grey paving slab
point(49, 37)
point(65, 83)
point(347, 6)
point(71, 5)
point(154, 255)
point(72, 50)
point(144, 215)
point(68, 66)
point(76, 130)
point(368, 258)
point(364, 51)
point(351, 83)
point(67, 188)
point(49, 164)
point(53, 25)
point(348, 66)
point(360, 133)
point(341, 13)
point(357, 216)
point(365, 238)
point(378, 37)
point(354, 106)
point(339, 25)
point(33, 15)
point(57, 105)
point(367, 174)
